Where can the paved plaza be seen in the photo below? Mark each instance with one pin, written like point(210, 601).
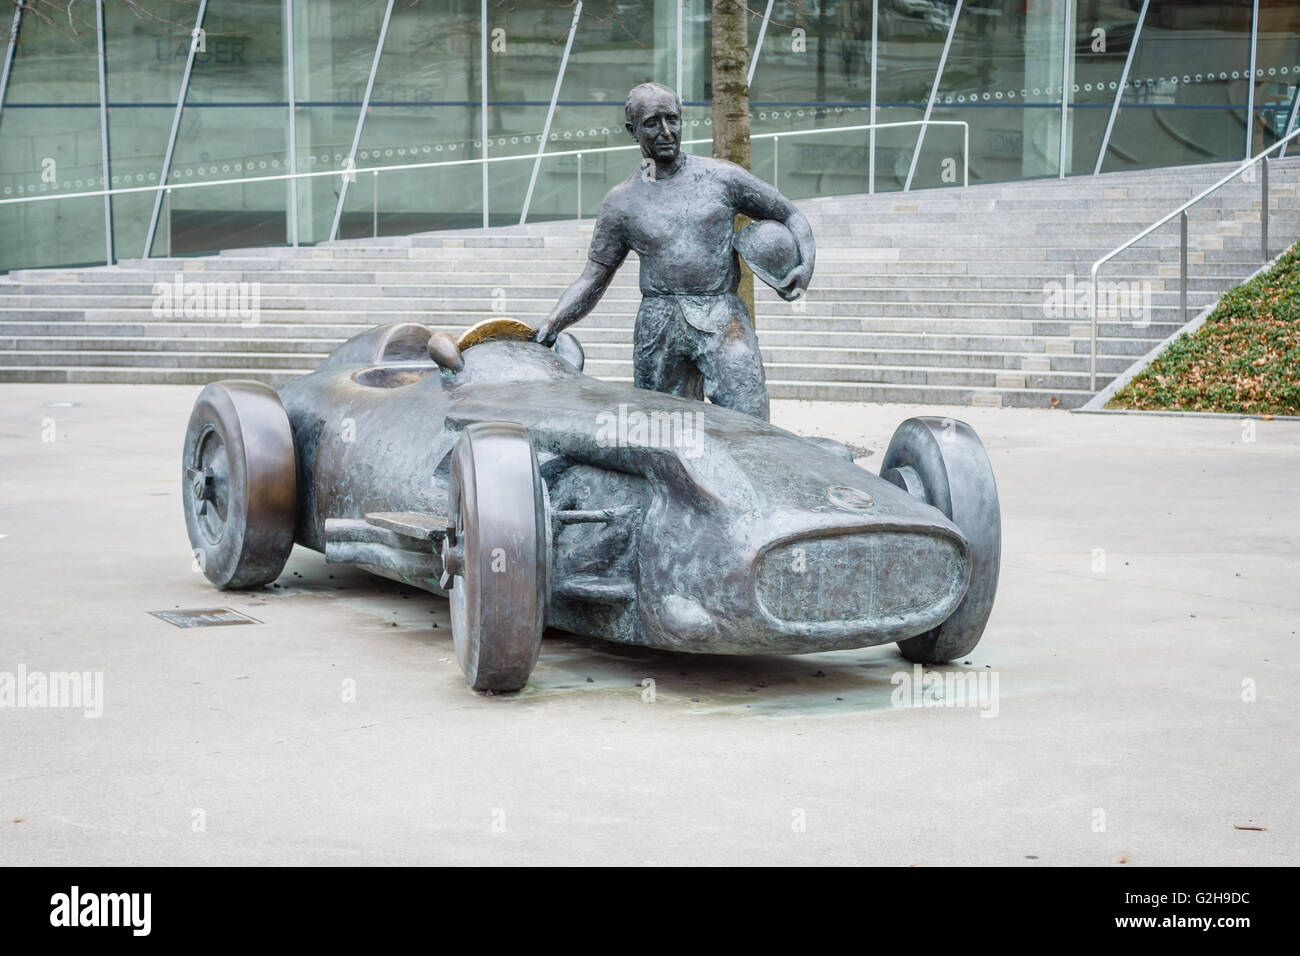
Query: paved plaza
point(1138, 671)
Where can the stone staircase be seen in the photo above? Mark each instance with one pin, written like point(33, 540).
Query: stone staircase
point(941, 296)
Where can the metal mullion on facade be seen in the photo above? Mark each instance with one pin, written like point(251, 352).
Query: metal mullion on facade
point(483, 101)
point(351, 161)
point(1250, 79)
point(934, 91)
point(758, 45)
point(9, 54)
point(291, 92)
point(871, 145)
point(1290, 123)
point(1123, 82)
point(550, 113)
point(1067, 49)
point(176, 125)
point(103, 134)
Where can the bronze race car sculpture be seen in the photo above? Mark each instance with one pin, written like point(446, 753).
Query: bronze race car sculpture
point(491, 470)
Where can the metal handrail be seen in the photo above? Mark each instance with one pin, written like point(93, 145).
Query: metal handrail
point(353, 172)
point(1181, 213)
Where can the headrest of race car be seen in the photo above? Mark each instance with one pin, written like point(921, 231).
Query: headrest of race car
point(768, 247)
point(490, 330)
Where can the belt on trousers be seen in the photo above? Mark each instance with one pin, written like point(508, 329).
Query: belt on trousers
point(707, 313)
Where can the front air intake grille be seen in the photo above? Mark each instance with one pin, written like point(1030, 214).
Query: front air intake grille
point(868, 580)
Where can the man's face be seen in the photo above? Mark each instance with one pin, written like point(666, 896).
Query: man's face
point(658, 128)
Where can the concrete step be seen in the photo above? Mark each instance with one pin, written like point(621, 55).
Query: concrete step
point(316, 338)
point(104, 350)
point(781, 389)
point(291, 283)
point(1033, 323)
point(484, 272)
point(607, 342)
point(854, 289)
point(941, 295)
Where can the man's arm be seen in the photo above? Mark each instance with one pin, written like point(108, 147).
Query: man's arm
point(607, 251)
point(577, 300)
point(759, 200)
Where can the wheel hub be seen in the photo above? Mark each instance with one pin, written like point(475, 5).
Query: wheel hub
point(208, 484)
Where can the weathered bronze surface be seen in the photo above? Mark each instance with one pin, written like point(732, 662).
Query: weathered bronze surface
point(534, 495)
point(694, 337)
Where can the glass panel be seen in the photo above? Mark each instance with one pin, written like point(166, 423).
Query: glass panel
point(1103, 36)
point(145, 46)
point(619, 44)
point(813, 72)
point(50, 143)
point(424, 109)
point(911, 40)
point(334, 46)
point(1003, 77)
point(233, 126)
point(1277, 72)
point(1185, 101)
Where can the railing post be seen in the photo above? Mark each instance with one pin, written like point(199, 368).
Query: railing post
point(1092, 315)
point(1182, 265)
point(1263, 208)
point(776, 161)
point(167, 201)
point(580, 158)
point(871, 144)
point(374, 204)
point(965, 154)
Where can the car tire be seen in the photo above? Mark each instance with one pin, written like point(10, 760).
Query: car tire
point(495, 555)
point(570, 349)
point(239, 484)
point(943, 463)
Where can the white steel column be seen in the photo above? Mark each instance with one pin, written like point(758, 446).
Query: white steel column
point(176, 125)
point(483, 101)
point(871, 148)
point(550, 114)
point(351, 162)
point(934, 91)
point(9, 54)
point(680, 4)
point(103, 135)
point(758, 44)
point(291, 94)
point(1123, 82)
point(1290, 123)
point(1250, 79)
point(1067, 50)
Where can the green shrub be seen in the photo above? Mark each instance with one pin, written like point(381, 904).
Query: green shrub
point(1245, 359)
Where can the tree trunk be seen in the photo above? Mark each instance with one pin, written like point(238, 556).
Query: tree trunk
point(731, 105)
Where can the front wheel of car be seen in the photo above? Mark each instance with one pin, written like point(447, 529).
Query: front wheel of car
point(239, 484)
point(495, 555)
point(942, 462)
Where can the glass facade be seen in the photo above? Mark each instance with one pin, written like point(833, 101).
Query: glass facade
point(269, 88)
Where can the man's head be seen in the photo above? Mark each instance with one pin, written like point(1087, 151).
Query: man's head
point(654, 119)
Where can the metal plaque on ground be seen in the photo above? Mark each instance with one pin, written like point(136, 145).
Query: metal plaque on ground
point(204, 617)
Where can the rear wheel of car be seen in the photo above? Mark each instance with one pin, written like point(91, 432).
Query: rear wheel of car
point(943, 463)
point(239, 484)
point(495, 555)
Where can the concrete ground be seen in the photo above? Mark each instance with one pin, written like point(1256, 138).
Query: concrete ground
point(1143, 643)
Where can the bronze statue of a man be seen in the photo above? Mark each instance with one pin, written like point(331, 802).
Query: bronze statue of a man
point(694, 336)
